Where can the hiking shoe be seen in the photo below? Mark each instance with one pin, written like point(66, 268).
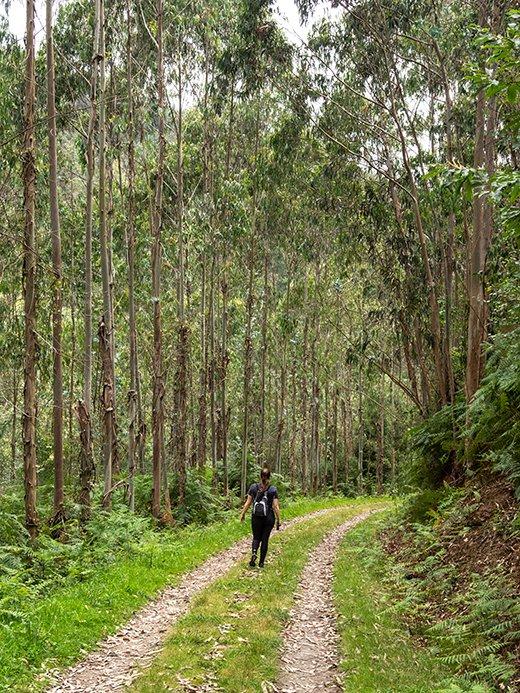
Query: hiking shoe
point(261, 564)
point(252, 562)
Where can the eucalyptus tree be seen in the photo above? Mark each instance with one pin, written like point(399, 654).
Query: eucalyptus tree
point(57, 384)
point(29, 278)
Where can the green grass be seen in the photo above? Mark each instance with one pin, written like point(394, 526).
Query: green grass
point(378, 652)
point(60, 628)
point(232, 634)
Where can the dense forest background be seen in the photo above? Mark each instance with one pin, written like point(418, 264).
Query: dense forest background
point(222, 248)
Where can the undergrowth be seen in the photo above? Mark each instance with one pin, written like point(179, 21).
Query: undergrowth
point(378, 652)
point(455, 571)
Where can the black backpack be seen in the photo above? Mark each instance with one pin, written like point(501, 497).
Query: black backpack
point(261, 507)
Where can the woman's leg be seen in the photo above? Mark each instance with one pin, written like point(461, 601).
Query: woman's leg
point(257, 525)
point(267, 529)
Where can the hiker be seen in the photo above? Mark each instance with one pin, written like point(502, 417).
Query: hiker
point(264, 499)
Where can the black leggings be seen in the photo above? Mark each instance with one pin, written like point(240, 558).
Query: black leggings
point(262, 527)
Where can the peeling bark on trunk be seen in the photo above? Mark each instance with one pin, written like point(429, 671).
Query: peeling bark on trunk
point(107, 408)
point(87, 460)
point(106, 327)
point(87, 469)
point(29, 280)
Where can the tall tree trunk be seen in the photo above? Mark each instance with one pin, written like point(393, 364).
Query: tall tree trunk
point(248, 368)
point(157, 221)
point(57, 298)
point(29, 279)
point(294, 427)
point(223, 381)
point(361, 432)
point(73, 342)
point(134, 414)
point(335, 441)
point(263, 359)
point(304, 392)
point(106, 327)
point(248, 342)
point(213, 371)
point(87, 467)
point(183, 332)
point(203, 373)
point(14, 418)
point(381, 440)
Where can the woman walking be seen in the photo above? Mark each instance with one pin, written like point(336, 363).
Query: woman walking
point(264, 499)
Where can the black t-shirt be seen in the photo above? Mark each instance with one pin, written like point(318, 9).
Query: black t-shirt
point(256, 490)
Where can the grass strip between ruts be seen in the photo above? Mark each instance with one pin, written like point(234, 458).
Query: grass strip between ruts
point(63, 627)
point(232, 635)
point(378, 653)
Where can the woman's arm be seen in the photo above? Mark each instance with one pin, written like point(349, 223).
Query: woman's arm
point(248, 502)
point(276, 508)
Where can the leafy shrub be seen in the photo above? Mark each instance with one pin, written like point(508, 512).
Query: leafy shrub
point(483, 631)
point(420, 507)
point(493, 414)
point(434, 441)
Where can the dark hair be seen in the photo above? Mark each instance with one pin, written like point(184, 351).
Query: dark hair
point(265, 473)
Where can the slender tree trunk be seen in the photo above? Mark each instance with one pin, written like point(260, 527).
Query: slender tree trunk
point(183, 332)
point(213, 372)
point(380, 440)
point(157, 221)
point(294, 428)
point(223, 379)
point(335, 441)
point(14, 419)
point(248, 342)
point(105, 328)
point(361, 432)
point(248, 362)
point(72, 365)
point(263, 359)
point(15, 391)
point(134, 418)
point(304, 393)
point(29, 280)
point(109, 118)
point(87, 467)
point(280, 427)
point(203, 375)
point(57, 299)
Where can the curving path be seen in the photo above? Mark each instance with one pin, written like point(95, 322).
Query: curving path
point(119, 658)
point(309, 658)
